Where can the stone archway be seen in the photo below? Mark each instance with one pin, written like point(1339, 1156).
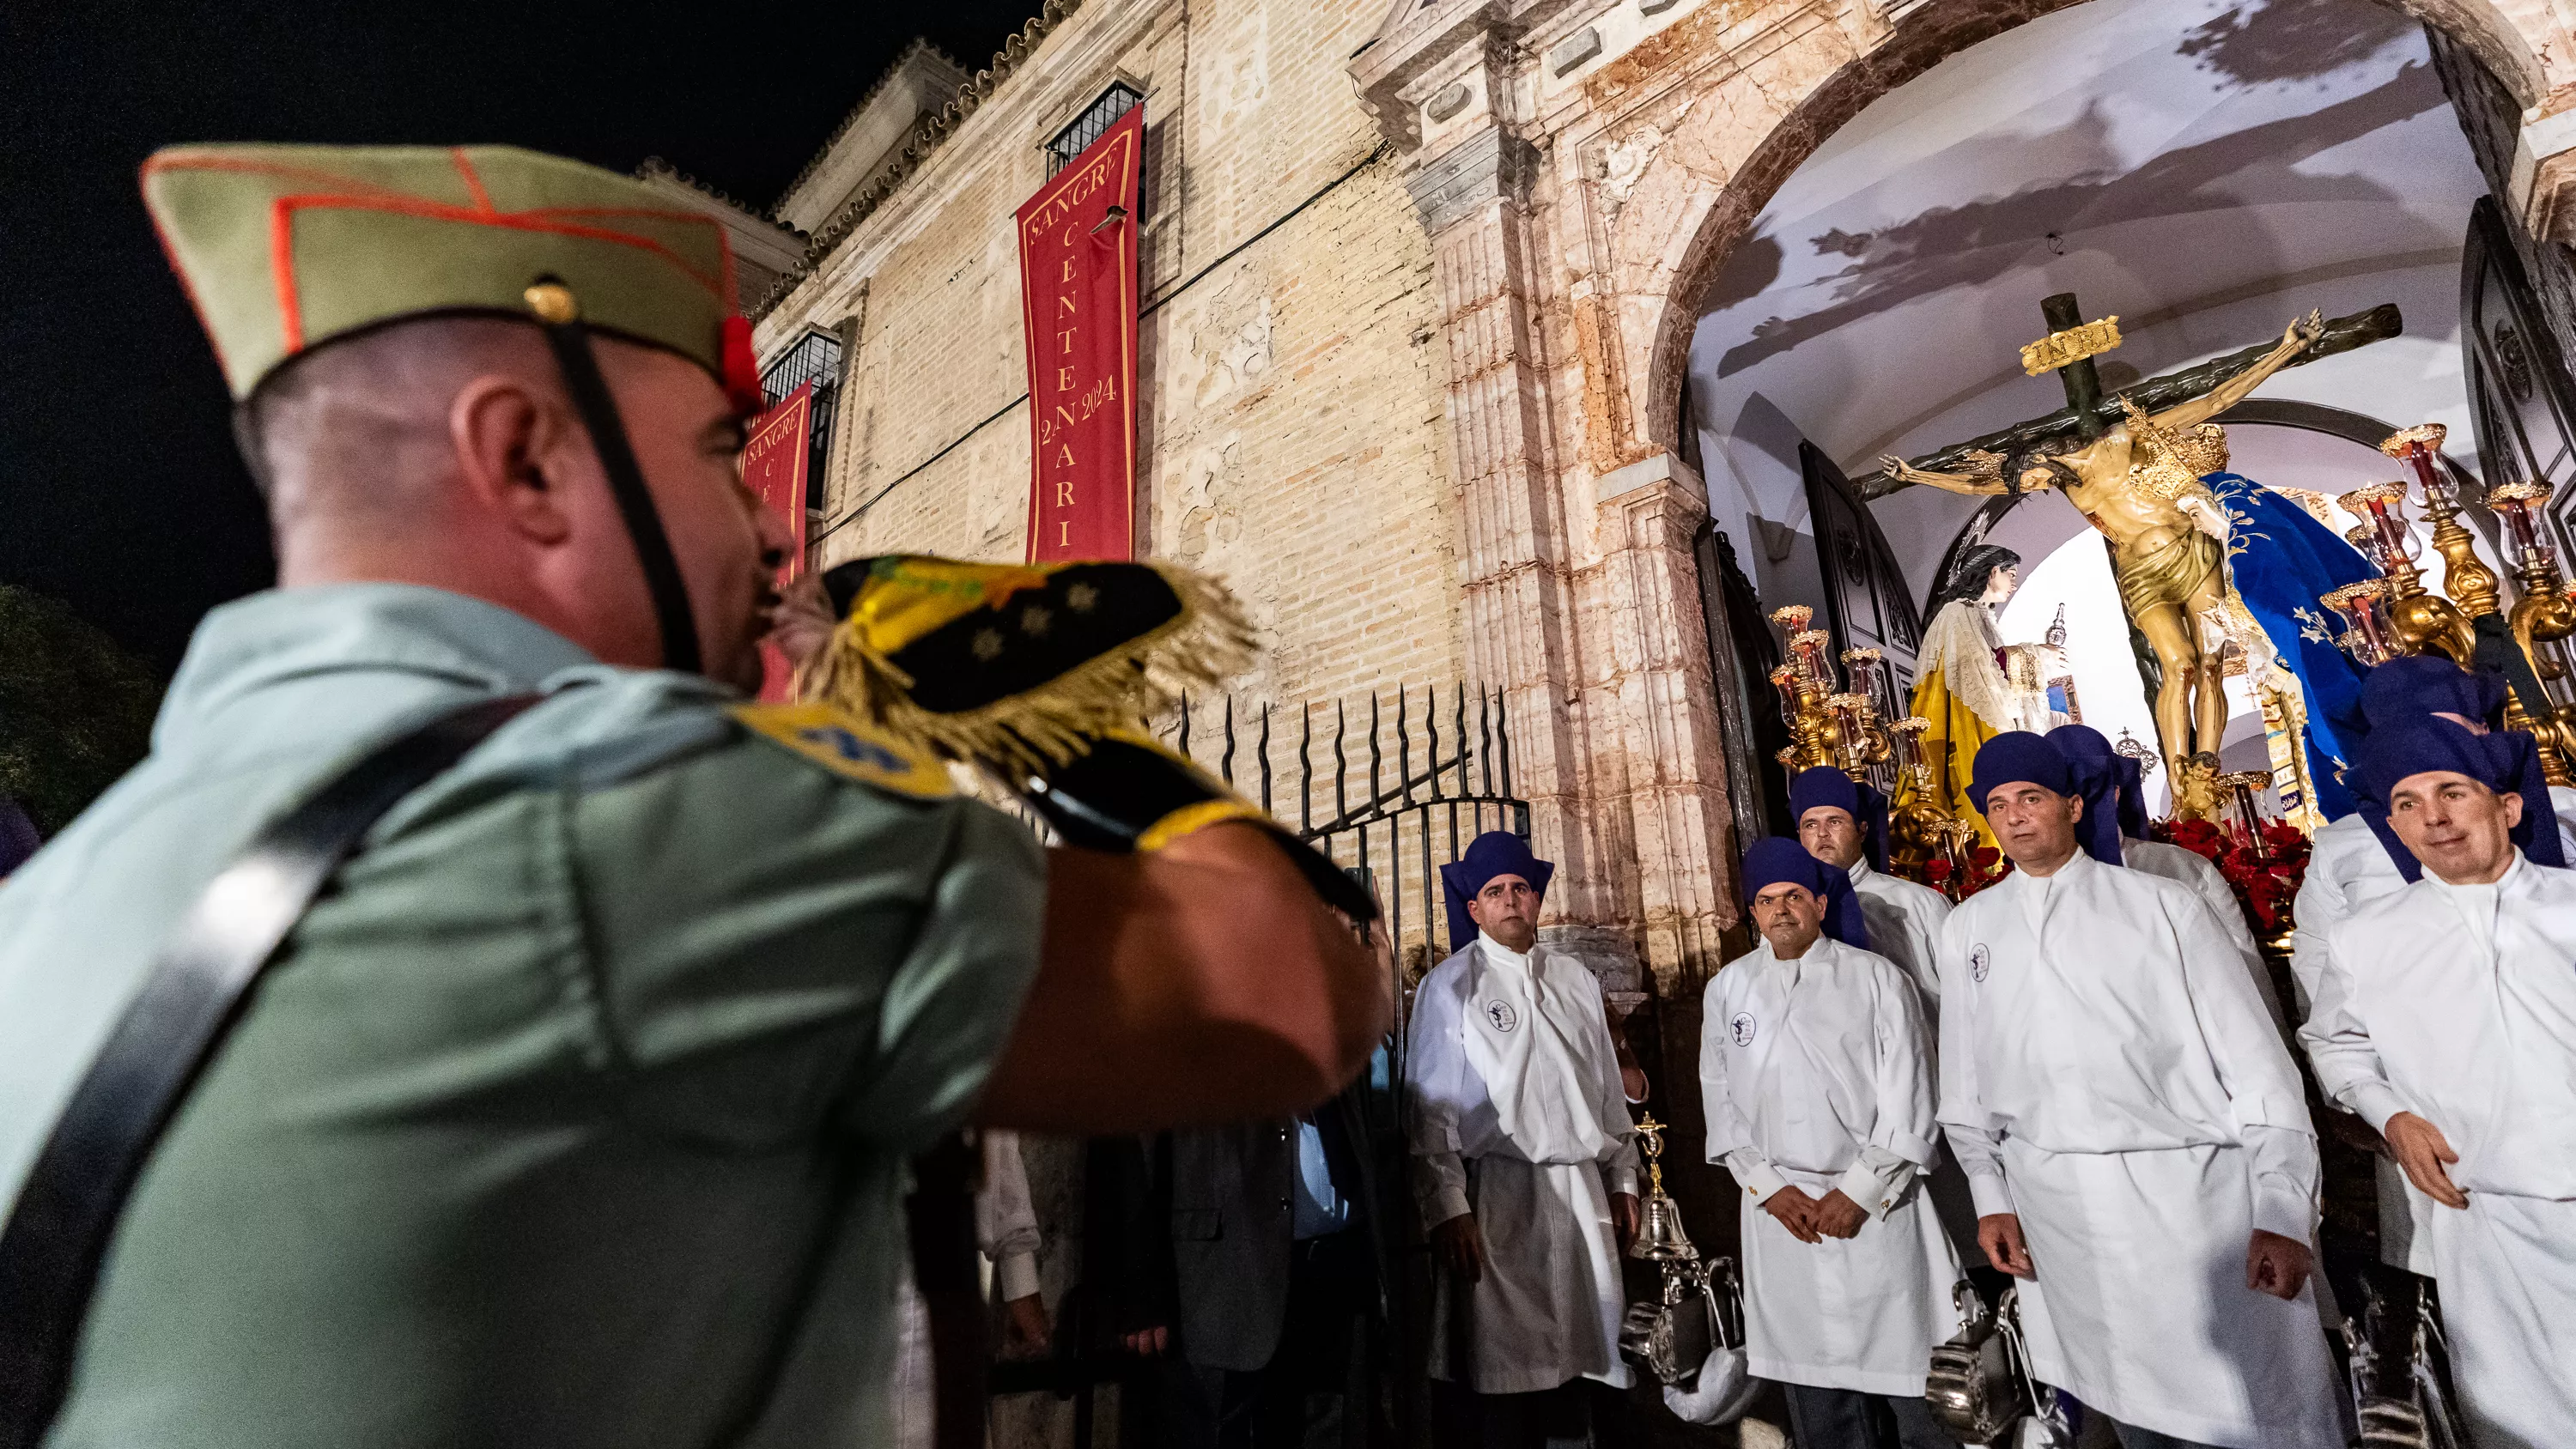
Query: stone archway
point(1675, 257)
point(1584, 167)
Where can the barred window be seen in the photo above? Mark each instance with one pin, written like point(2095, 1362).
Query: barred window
point(1095, 119)
point(816, 358)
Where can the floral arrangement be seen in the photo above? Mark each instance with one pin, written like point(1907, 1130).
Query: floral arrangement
point(1986, 865)
point(2264, 870)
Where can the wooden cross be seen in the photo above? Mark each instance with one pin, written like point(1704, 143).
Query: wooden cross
point(2087, 413)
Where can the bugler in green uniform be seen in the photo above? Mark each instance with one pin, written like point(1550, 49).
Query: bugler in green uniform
point(576, 1113)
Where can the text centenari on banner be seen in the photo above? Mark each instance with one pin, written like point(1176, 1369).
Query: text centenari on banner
point(1078, 292)
point(774, 463)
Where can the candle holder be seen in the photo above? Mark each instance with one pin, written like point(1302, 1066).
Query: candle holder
point(2242, 815)
point(2544, 615)
point(1810, 732)
point(1915, 827)
point(2366, 636)
point(2465, 577)
point(2417, 620)
point(1870, 747)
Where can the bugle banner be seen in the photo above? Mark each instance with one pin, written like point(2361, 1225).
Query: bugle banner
point(1078, 295)
point(774, 463)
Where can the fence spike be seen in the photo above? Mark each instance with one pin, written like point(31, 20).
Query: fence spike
point(1404, 745)
point(1341, 764)
point(1377, 756)
point(1306, 768)
point(1465, 786)
point(1265, 757)
point(1485, 736)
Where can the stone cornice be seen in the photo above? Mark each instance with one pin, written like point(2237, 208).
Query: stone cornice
point(932, 133)
point(857, 113)
point(1422, 41)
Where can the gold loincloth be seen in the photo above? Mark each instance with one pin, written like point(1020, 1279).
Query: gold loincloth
point(2169, 575)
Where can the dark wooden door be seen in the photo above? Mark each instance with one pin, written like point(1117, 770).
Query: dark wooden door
point(1866, 602)
point(1742, 653)
point(2521, 398)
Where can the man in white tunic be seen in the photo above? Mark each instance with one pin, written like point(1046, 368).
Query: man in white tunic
point(2114, 831)
point(2352, 862)
point(2448, 1021)
point(1523, 1165)
point(1843, 823)
point(2135, 1133)
point(1816, 1069)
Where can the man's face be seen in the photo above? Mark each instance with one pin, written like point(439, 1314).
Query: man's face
point(1831, 835)
point(1507, 910)
point(2001, 583)
point(2035, 827)
point(688, 442)
point(2461, 830)
point(1790, 917)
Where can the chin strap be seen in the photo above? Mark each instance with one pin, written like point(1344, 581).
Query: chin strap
point(559, 314)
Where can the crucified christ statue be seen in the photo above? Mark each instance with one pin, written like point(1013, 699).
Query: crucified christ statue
point(2138, 484)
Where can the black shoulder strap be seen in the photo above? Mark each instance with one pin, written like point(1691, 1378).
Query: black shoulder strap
point(67, 1211)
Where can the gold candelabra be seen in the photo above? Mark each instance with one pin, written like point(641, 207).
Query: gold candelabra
point(2465, 577)
point(2239, 813)
point(2366, 636)
point(1829, 724)
point(2404, 617)
point(2417, 618)
point(1838, 726)
point(2546, 614)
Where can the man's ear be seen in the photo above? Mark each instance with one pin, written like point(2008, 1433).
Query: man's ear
point(2076, 815)
point(505, 437)
point(2512, 807)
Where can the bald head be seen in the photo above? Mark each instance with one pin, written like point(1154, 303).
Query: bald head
point(445, 452)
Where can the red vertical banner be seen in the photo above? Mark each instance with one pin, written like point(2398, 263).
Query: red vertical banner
point(773, 467)
point(1078, 296)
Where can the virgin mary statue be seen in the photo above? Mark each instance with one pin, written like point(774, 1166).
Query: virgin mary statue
point(1970, 684)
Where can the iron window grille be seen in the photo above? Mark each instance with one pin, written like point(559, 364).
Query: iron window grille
point(1088, 127)
point(816, 358)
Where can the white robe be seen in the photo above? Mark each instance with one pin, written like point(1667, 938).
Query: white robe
point(2193, 869)
point(1520, 1118)
point(2458, 1003)
point(2108, 1073)
point(1905, 927)
point(1904, 921)
point(2347, 868)
point(1817, 1072)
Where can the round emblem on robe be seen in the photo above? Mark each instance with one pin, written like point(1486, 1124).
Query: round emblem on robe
point(1978, 962)
point(1742, 1027)
point(1500, 1013)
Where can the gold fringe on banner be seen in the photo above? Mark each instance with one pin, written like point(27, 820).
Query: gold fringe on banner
point(932, 626)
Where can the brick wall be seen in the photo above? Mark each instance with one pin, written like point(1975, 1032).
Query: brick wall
point(1290, 394)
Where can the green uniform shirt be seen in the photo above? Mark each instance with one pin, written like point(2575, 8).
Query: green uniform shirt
point(576, 1114)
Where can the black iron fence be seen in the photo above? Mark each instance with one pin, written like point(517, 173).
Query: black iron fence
point(1391, 787)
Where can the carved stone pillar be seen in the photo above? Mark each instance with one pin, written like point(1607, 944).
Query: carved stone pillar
point(1658, 717)
point(1514, 572)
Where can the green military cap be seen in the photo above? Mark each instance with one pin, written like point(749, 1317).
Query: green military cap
point(283, 248)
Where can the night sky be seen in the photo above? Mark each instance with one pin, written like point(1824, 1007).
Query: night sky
point(120, 492)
